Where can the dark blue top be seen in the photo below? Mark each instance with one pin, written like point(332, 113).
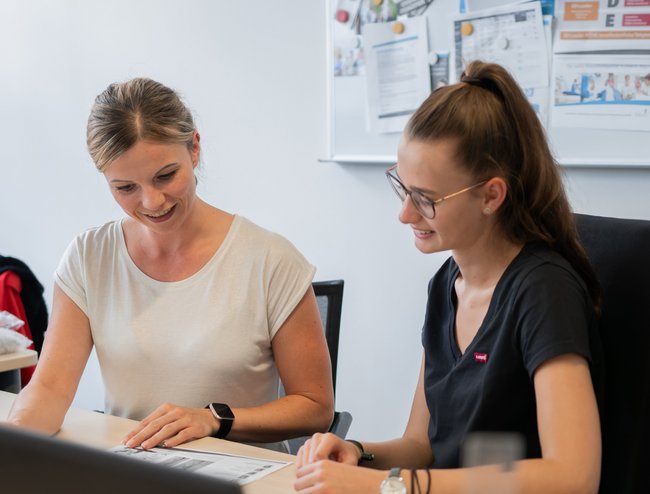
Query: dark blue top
point(540, 309)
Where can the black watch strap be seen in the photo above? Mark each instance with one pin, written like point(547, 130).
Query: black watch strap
point(364, 456)
point(224, 414)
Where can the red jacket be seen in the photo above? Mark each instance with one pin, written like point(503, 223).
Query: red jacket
point(10, 288)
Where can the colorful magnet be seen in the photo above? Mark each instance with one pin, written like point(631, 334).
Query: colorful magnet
point(466, 28)
point(398, 27)
point(342, 15)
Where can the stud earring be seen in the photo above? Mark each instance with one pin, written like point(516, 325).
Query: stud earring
point(487, 211)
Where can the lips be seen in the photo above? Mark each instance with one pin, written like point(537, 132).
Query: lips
point(422, 234)
point(160, 215)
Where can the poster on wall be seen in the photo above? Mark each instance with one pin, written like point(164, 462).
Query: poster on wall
point(513, 36)
point(397, 72)
point(588, 25)
point(602, 92)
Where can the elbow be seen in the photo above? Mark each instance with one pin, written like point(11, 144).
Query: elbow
point(315, 415)
point(583, 485)
point(323, 420)
point(580, 480)
point(328, 420)
point(324, 416)
point(587, 483)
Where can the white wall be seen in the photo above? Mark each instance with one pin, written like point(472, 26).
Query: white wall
point(254, 74)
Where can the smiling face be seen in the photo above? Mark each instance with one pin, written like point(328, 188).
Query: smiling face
point(154, 183)
point(431, 168)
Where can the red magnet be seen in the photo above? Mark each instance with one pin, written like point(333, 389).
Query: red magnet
point(342, 15)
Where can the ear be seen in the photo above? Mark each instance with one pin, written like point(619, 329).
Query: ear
point(495, 193)
point(196, 149)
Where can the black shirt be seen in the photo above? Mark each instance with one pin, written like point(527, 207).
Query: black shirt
point(540, 309)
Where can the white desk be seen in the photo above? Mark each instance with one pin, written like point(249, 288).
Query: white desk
point(18, 360)
point(10, 365)
point(105, 431)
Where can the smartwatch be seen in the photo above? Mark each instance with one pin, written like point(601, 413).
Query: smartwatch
point(394, 484)
point(224, 414)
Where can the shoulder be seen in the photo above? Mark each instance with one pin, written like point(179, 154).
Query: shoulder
point(99, 233)
point(539, 263)
point(542, 285)
point(253, 237)
point(444, 276)
point(97, 238)
point(540, 281)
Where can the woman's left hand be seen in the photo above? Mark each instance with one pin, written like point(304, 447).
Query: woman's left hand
point(170, 425)
point(331, 476)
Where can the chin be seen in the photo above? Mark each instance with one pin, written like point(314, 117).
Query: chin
point(428, 248)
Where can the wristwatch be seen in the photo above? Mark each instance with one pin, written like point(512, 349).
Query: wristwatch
point(224, 414)
point(394, 484)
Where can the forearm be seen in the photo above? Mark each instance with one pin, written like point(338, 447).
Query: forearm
point(538, 476)
point(287, 417)
point(39, 407)
point(403, 452)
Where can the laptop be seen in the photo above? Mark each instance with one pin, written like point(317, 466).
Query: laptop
point(36, 463)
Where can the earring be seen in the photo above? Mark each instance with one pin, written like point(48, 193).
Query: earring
point(487, 211)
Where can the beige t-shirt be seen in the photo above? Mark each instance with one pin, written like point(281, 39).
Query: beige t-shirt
point(204, 339)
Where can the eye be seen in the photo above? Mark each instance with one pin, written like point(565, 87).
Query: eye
point(125, 188)
point(166, 176)
point(421, 198)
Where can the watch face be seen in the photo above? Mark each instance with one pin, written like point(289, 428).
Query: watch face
point(393, 485)
point(222, 411)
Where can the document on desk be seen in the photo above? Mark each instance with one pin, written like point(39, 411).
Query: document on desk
point(233, 468)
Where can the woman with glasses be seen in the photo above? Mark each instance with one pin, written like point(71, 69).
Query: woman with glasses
point(510, 338)
point(194, 312)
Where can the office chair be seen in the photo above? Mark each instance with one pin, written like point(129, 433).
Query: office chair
point(329, 297)
point(619, 251)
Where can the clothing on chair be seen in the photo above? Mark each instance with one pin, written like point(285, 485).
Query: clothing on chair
point(22, 295)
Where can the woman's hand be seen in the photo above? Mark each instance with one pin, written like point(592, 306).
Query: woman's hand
point(327, 447)
point(170, 425)
point(331, 476)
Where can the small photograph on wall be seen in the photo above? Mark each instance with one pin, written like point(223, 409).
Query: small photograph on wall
point(602, 92)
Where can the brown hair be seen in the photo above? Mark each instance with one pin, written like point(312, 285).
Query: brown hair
point(137, 109)
point(498, 134)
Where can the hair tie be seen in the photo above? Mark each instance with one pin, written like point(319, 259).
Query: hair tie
point(469, 80)
point(487, 84)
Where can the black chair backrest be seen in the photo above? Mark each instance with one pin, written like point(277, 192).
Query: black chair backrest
point(329, 296)
point(619, 251)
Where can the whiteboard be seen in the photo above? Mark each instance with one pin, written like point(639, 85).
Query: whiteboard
point(349, 141)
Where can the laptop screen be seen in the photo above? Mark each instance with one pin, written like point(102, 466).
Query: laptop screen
point(35, 463)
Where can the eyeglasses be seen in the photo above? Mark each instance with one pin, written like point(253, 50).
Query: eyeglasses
point(425, 206)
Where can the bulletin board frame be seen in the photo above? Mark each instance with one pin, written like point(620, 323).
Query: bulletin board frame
point(349, 141)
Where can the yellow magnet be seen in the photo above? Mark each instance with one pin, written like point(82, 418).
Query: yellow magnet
point(377, 3)
point(466, 29)
point(398, 28)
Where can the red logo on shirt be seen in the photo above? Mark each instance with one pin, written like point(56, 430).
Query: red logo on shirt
point(481, 358)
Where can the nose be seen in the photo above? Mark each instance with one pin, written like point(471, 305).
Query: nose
point(409, 213)
point(152, 198)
